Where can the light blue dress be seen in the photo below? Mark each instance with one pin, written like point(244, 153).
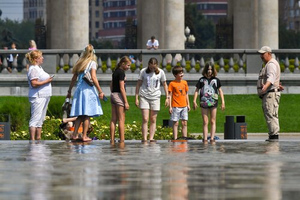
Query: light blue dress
point(85, 98)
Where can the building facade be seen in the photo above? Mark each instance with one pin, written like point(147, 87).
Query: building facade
point(115, 17)
point(107, 18)
point(34, 9)
point(211, 9)
point(289, 15)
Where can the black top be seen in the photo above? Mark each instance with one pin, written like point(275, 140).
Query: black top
point(117, 76)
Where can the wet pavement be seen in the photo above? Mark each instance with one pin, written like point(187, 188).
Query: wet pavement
point(228, 169)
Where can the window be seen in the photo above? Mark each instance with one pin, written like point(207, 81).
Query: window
point(292, 13)
point(97, 13)
point(96, 2)
point(292, 3)
point(131, 13)
point(97, 24)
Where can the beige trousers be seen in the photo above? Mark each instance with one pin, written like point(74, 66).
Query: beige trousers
point(270, 105)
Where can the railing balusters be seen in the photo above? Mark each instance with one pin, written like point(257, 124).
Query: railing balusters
point(169, 58)
point(24, 66)
point(183, 63)
point(231, 64)
point(14, 65)
point(108, 65)
point(174, 61)
point(241, 64)
point(193, 64)
point(137, 65)
point(61, 64)
point(99, 70)
point(164, 63)
point(287, 64)
point(296, 70)
point(202, 64)
point(70, 63)
point(222, 65)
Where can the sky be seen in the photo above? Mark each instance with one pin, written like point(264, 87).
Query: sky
point(12, 9)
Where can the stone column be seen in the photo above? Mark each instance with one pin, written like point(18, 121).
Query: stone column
point(255, 23)
point(149, 14)
point(164, 19)
point(174, 24)
point(244, 17)
point(67, 24)
point(268, 30)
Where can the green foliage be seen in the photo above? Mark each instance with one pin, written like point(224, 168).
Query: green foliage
point(247, 105)
point(203, 29)
point(288, 39)
point(19, 110)
point(50, 131)
point(15, 31)
point(132, 131)
point(102, 44)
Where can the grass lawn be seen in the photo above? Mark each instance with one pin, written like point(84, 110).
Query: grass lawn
point(247, 105)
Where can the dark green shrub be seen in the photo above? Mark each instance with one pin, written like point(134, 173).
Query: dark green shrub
point(19, 110)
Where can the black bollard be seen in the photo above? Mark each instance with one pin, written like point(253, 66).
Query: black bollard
point(229, 128)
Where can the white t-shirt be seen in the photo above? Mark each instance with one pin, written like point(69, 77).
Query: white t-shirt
point(37, 72)
point(150, 43)
point(150, 88)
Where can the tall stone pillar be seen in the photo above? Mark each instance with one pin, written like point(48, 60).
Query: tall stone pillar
point(67, 24)
point(164, 19)
point(255, 23)
point(268, 25)
point(174, 24)
point(244, 18)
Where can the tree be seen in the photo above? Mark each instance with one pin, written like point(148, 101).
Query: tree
point(130, 34)
point(203, 29)
point(288, 39)
point(18, 32)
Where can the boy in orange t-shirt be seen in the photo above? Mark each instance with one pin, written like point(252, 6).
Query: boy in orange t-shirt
point(179, 101)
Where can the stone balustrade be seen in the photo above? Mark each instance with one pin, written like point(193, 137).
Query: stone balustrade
point(237, 68)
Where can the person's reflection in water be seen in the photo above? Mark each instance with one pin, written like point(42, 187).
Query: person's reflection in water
point(80, 147)
point(178, 173)
point(180, 147)
point(39, 157)
point(273, 148)
point(273, 173)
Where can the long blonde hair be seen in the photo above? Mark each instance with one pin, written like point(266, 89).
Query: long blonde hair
point(33, 55)
point(87, 55)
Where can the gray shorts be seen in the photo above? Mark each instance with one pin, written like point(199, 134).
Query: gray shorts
point(117, 99)
point(147, 104)
point(179, 113)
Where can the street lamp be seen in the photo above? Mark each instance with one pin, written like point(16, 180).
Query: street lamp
point(189, 38)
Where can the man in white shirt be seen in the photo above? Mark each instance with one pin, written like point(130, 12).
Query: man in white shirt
point(270, 91)
point(152, 44)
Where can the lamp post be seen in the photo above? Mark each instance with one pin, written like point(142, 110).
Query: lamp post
point(189, 40)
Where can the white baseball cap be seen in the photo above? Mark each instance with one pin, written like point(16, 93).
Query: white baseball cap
point(265, 49)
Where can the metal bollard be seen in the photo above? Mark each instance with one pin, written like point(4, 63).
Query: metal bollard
point(229, 128)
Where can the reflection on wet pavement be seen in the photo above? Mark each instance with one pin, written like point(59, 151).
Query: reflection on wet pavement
point(162, 170)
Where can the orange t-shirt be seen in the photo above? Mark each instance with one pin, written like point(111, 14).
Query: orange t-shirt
point(179, 91)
